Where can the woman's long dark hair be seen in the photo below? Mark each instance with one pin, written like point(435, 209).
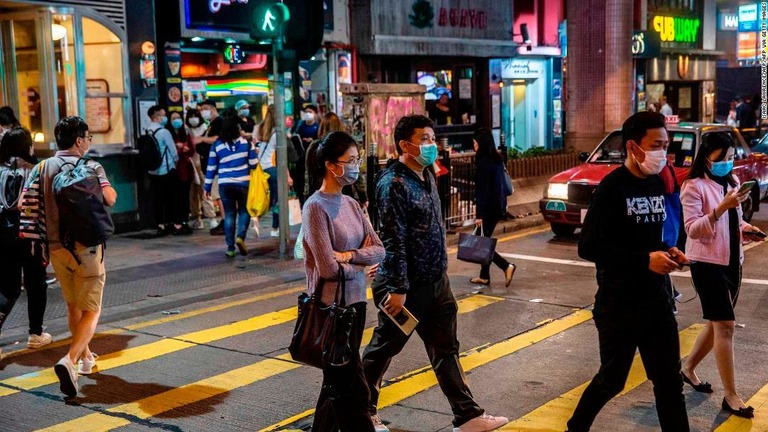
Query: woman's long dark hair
point(486, 146)
point(16, 143)
point(714, 141)
point(329, 149)
point(178, 135)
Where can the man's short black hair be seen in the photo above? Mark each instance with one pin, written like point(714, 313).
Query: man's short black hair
point(154, 110)
point(208, 102)
point(637, 125)
point(311, 107)
point(68, 130)
point(407, 125)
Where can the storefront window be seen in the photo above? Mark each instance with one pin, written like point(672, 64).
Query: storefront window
point(28, 75)
point(104, 84)
point(62, 32)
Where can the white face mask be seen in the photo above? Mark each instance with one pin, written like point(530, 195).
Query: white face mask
point(194, 121)
point(206, 114)
point(309, 116)
point(653, 163)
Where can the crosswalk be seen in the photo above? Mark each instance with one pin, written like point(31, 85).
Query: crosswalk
point(273, 370)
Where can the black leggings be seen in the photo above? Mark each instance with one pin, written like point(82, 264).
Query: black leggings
point(17, 257)
point(485, 271)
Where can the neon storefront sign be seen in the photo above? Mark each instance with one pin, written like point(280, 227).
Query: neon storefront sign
point(216, 5)
point(677, 29)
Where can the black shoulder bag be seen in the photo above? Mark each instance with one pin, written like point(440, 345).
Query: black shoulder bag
point(321, 336)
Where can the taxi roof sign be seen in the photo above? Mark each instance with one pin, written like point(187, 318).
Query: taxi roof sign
point(672, 119)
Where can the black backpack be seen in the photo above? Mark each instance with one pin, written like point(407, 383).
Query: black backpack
point(149, 151)
point(11, 182)
point(83, 216)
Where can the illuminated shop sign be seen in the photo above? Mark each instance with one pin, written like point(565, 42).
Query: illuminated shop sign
point(748, 18)
point(233, 54)
point(645, 44)
point(728, 21)
point(677, 31)
point(219, 15)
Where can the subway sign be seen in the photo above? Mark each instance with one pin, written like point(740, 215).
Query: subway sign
point(677, 31)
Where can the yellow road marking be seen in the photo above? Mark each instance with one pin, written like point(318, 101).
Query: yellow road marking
point(417, 381)
point(213, 386)
point(521, 234)
point(164, 320)
point(758, 424)
point(553, 415)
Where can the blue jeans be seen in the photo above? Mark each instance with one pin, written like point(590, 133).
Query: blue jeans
point(236, 217)
point(272, 181)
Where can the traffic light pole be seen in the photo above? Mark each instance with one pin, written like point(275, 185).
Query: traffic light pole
point(278, 85)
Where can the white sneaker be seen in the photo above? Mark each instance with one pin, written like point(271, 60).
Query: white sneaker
point(378, 426)
point(37, 341)
point(85, 366)
point(65, 370)
point(213, 223)
point(274, 233)
point(196, 224)
point(481, 424)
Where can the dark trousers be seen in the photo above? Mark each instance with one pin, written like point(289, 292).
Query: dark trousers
point(165, 191)
point(272, 182)
point(343, 402)
point(655, 335)
point(17, 257)
point(236, 218)
point(485, 271)
point(182, 202)
point(436, 309)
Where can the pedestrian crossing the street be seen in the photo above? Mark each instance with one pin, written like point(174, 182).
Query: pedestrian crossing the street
point(270, 392)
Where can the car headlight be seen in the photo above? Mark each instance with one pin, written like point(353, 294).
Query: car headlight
point(557, 191)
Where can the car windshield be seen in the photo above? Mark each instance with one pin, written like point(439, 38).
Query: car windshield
point(681, 150)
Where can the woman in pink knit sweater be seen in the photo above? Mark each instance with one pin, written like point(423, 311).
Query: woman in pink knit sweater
point(713, 221)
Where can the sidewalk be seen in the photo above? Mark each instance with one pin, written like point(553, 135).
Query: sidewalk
point(148, 275)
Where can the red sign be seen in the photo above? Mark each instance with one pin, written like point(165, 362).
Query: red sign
point(455, 17)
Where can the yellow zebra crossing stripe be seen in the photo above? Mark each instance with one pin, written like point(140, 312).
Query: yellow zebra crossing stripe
point(213, 386)
point(552, 416)
point(415, 382)
point(758, 424)
point(170, 318)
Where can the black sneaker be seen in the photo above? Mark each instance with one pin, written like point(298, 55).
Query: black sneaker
point(219, 230)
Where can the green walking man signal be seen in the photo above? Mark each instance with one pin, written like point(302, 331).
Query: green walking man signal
point(268, 20)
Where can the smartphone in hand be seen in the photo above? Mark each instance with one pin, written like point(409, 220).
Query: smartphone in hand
point(746, 187)
point(404, 320)
point(758, 234)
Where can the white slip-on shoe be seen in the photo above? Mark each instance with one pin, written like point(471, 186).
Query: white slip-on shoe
point(482, 424)
point(378, 425)
point(65, 370)
point(37, 341)
point(85, 366)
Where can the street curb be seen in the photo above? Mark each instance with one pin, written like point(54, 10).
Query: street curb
point(153, 305)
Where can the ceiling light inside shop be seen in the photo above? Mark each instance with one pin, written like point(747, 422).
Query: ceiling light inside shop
point(197, 39)
point(58, 31)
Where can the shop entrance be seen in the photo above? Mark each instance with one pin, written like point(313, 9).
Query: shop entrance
point(519, 116)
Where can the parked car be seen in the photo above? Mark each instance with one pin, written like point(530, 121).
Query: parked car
point(568, 194)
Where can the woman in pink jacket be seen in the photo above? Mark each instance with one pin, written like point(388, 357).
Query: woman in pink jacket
point(712, 214)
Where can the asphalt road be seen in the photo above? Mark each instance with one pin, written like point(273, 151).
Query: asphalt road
point(221, 363)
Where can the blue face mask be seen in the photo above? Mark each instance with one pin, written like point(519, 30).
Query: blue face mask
point(245, 112)
point(164, 121)
point(427, 155)
point(721, 169)
point(349, 174)
point(177, 123)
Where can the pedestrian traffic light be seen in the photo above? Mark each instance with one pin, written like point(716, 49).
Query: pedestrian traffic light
point(268, 20)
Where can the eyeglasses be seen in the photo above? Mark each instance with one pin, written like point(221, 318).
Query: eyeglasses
point(354, 162)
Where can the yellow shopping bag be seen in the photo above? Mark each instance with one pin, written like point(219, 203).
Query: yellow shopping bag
point(258, 192)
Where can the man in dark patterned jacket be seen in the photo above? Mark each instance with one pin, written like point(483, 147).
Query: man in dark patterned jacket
point(414, 274)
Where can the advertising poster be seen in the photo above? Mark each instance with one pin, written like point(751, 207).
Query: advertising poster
point(173, 97)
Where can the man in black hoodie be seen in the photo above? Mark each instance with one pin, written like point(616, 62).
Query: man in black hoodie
point(622, 235)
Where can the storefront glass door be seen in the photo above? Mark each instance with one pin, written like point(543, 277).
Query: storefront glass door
point(26, 74)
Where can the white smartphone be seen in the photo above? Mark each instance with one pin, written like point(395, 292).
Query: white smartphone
point(405, 320)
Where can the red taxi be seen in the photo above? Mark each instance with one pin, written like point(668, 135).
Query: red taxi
point(567, 195)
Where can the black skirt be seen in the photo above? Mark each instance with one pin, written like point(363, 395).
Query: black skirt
point(718, 287)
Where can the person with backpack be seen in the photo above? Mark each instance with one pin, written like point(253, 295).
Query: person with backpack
point(19, 255)
point(232, 158)
point(164, 179)
point(78, 263)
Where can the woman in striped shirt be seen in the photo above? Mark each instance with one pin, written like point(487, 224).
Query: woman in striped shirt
point(232, 158)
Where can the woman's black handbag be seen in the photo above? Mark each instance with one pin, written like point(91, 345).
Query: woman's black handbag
point(321, 335)
point(476, 248)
